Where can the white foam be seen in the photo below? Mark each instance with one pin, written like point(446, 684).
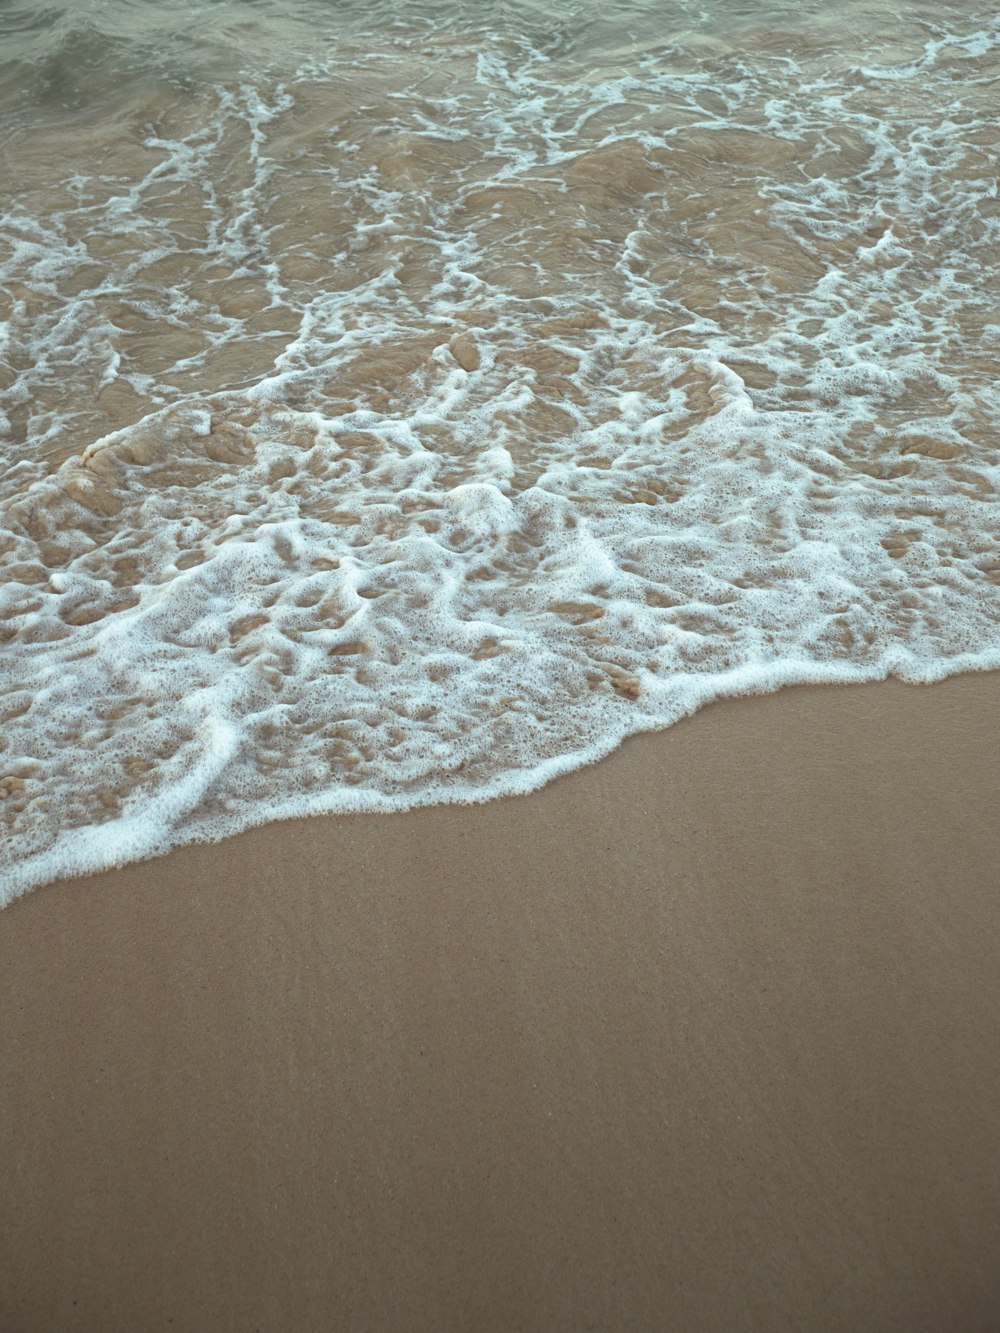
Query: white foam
point(518, 448)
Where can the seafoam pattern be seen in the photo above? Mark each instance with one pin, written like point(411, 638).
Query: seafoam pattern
point(416, 426)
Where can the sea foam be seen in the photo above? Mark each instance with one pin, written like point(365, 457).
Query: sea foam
point(415, 426)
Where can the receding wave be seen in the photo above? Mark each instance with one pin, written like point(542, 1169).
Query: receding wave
point(412, 415)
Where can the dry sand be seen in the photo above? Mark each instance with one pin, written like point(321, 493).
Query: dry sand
point(703, 1037)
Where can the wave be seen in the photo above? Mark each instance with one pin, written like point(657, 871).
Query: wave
point(416, 426)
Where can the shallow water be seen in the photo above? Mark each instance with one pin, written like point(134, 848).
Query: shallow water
point(406, 402)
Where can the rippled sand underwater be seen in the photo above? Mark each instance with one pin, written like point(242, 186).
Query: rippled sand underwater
point(406, 403)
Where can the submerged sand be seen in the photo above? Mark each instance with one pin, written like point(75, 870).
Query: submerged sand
point(702, 1037)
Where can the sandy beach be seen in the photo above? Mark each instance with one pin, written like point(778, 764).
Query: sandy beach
point(402, 402)
point(702, 1037)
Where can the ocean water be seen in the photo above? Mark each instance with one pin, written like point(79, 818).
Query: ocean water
point(406, 402)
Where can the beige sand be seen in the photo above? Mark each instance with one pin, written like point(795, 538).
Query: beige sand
point(704, 1037)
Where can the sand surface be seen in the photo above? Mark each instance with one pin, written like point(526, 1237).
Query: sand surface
point(703, 1037)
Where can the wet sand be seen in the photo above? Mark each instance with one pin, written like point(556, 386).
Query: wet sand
point(702, 1037)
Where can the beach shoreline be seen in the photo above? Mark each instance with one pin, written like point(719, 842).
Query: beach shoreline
point(702, 1036)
